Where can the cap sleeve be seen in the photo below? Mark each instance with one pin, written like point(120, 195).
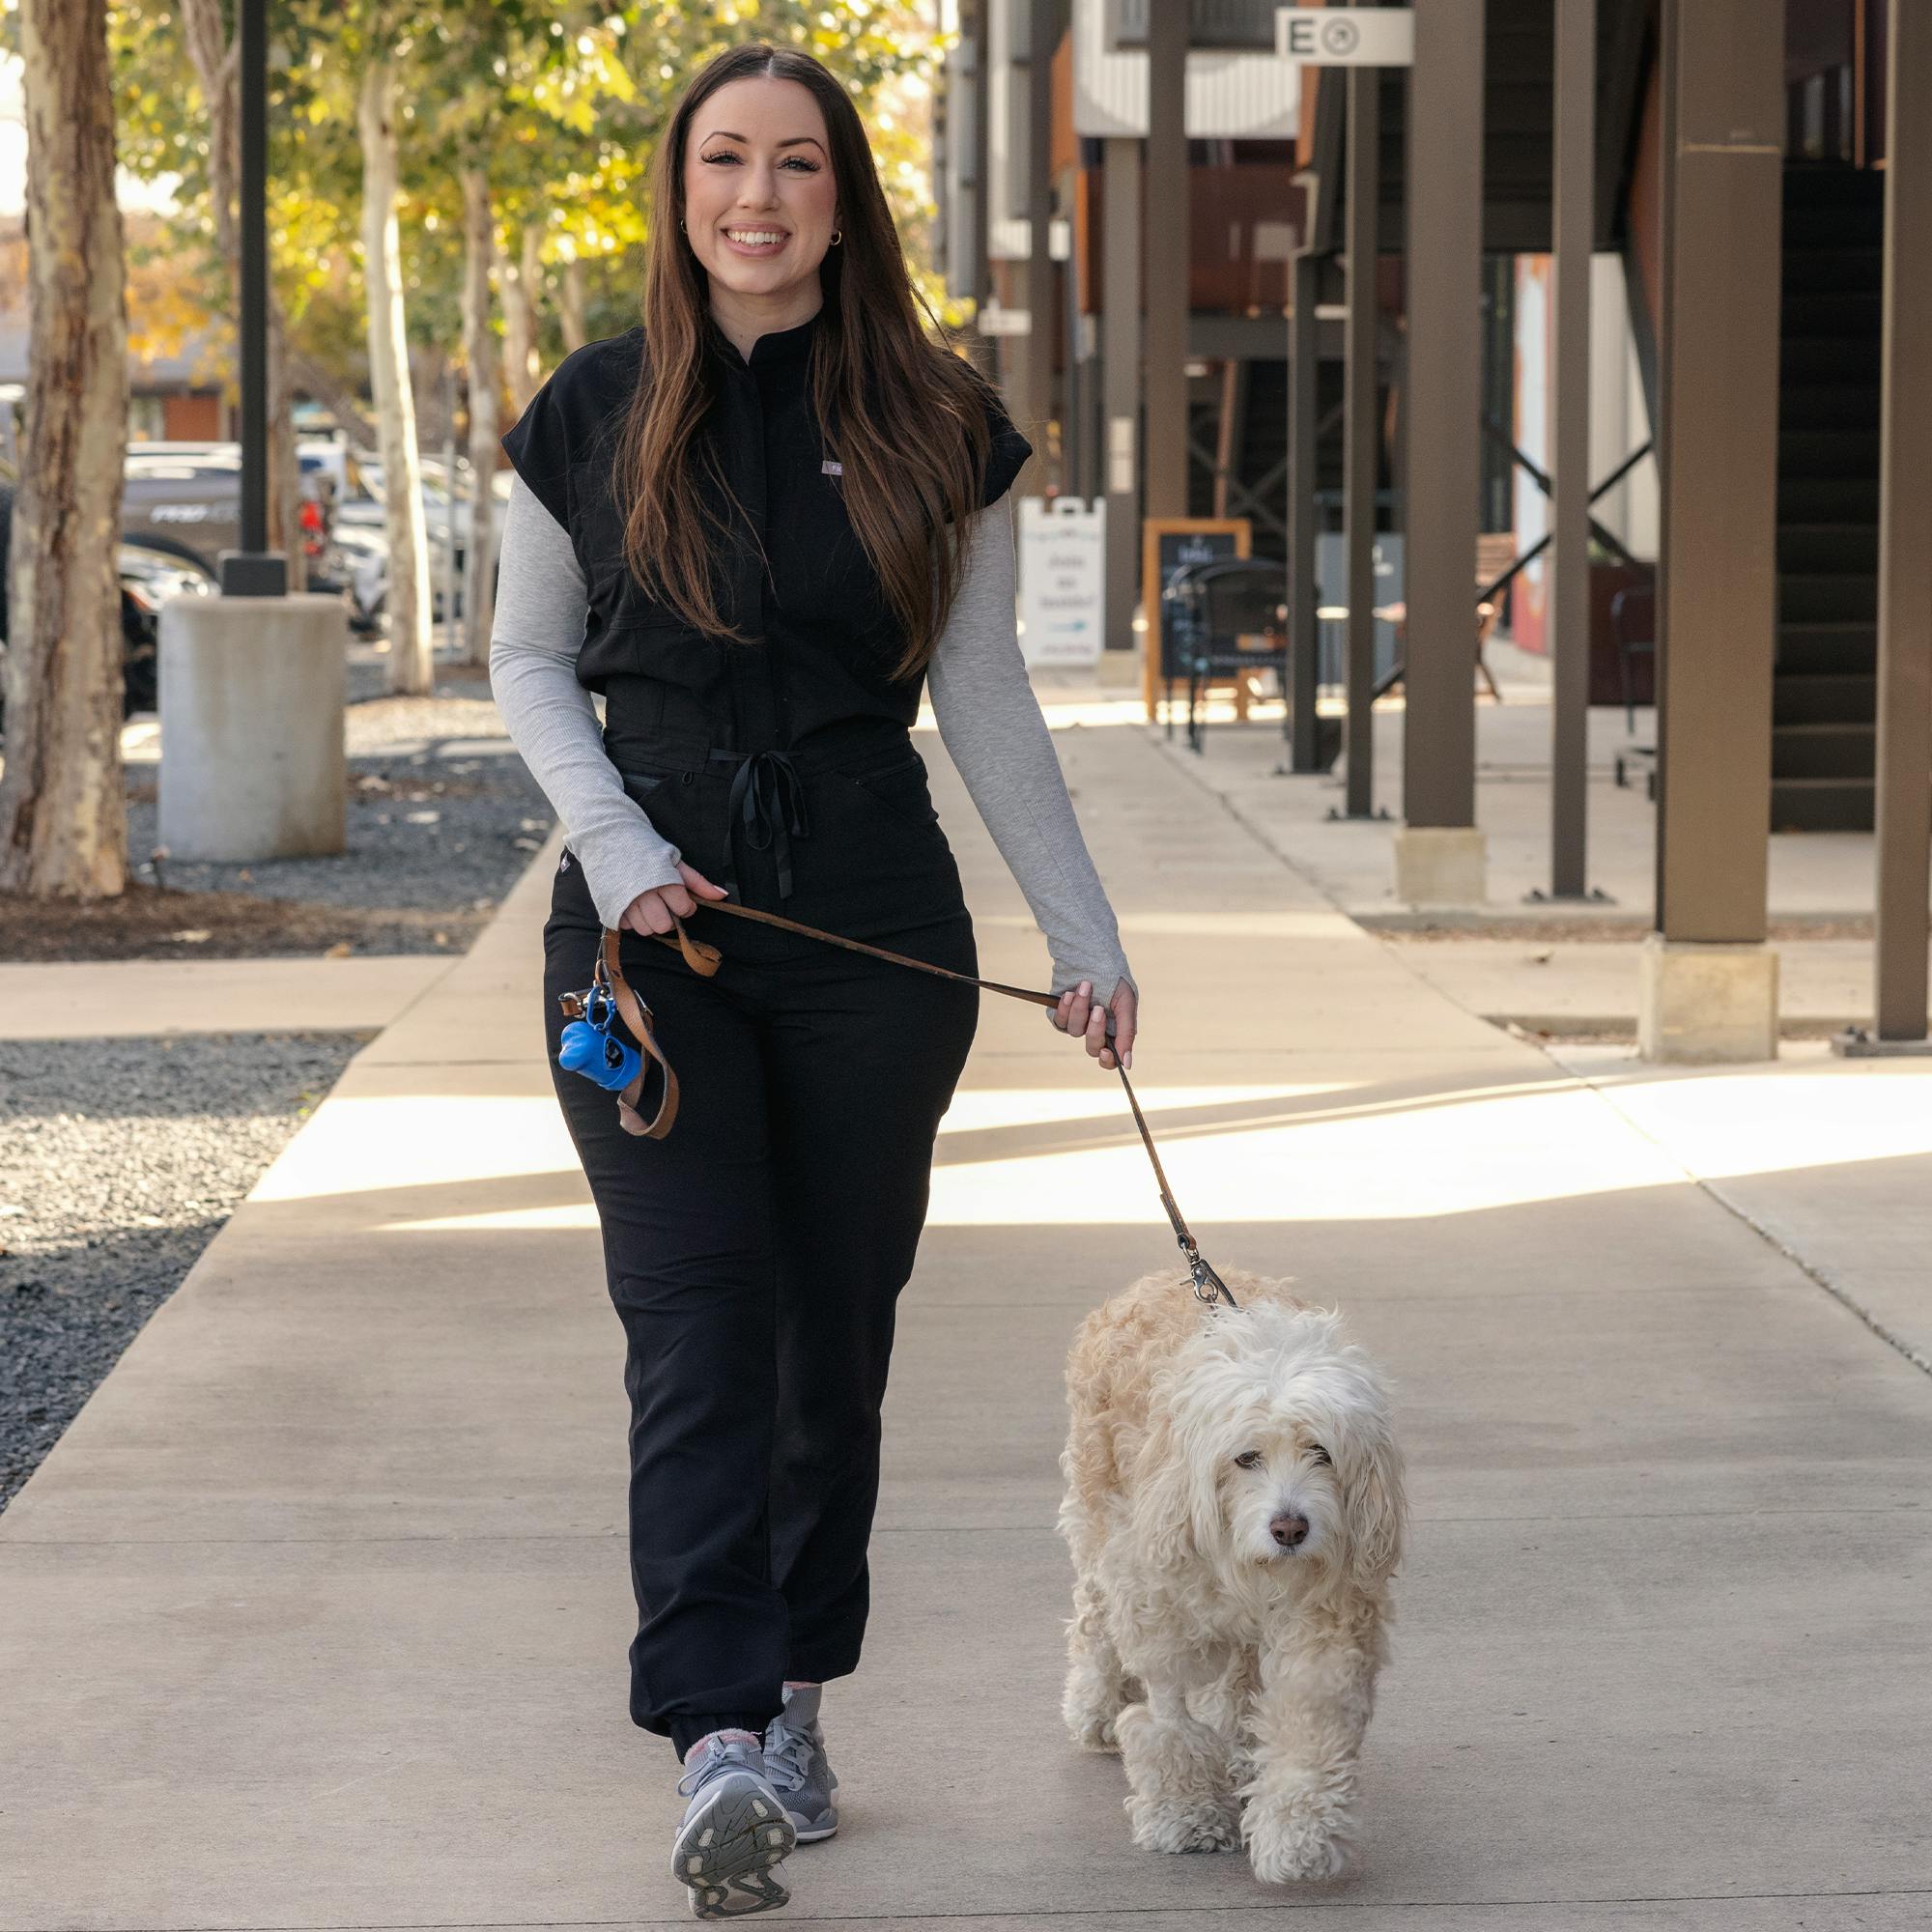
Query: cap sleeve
point(538, 446)
point(1008, 456)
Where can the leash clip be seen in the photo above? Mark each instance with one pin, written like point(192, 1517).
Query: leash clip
point(1209, 1288)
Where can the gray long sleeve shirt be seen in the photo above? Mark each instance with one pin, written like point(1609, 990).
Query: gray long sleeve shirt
point(981, 701)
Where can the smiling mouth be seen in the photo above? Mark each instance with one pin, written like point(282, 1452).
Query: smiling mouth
point(758, 240)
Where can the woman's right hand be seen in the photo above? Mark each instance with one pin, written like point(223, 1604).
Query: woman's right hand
point(651, 912)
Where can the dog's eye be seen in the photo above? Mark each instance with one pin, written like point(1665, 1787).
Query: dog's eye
point(1248, 1458)
point(1319, 1453)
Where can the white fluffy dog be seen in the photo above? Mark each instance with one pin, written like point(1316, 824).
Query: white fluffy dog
point(1235, 1508)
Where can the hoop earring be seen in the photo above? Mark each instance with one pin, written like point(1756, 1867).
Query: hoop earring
point(837, 236)
point(680, 224)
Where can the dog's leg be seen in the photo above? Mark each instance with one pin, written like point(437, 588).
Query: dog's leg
point(1309, 1711)
point(1223, 1705)
point(1096, 1683)
point(1179, 1795)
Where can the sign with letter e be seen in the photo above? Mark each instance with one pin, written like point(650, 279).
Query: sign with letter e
point(1346, 37)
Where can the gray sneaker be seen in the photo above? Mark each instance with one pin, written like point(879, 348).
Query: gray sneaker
point(796, 1764)
point(735, 1832)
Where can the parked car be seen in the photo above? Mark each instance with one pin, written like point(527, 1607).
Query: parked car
point(360, 529)
point(361, 503)
point(188, 496)
point(151, 571)
point(365, 557)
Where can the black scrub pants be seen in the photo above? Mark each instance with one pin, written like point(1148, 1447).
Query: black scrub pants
point(755, 1254)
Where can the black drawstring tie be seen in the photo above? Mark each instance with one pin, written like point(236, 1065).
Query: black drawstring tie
point(768, 800)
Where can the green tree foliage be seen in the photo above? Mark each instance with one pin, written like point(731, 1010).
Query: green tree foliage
point(565, 102)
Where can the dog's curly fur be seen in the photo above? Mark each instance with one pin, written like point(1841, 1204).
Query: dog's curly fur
point(1235, 1676)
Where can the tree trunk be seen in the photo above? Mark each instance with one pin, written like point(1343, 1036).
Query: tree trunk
point(433, 372)
point(571, 304)
point(521, 281)
point(285, 493)
point(62, 801)
point(479, 349)
point(411, 658)
point(216, 62)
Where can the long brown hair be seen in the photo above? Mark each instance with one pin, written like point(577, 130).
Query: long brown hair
point(903, 415)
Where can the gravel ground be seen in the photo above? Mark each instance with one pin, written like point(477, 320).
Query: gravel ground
point(443, 814)
point(119, 1159)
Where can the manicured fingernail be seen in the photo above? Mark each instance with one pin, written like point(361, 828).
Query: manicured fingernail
point(1127, 1059)
point(1087, 987)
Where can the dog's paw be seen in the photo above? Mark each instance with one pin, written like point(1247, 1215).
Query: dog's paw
point(1089, 1707)
point(1296, 1838)
point(1093, 1732)
point(1161, 1825)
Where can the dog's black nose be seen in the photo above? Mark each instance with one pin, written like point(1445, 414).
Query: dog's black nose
point(1290, 1531)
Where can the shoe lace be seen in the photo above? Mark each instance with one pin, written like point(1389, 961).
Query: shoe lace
point(733, 1751)
point(788, 1754)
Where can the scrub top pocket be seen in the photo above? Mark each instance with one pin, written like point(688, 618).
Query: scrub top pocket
point(687, 808)
point(901, 788)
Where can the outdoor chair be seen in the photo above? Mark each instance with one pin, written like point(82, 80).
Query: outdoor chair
point(1227, 620)
point(1495, 554)
point(1633, 626)
point(1176, 634)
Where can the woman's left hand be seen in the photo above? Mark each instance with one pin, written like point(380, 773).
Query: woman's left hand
point(1080, 1012)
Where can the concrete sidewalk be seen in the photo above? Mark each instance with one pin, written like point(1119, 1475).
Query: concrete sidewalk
point(316, 1618)
point(104, 998)
point(1566, 967)
point(1814, 876)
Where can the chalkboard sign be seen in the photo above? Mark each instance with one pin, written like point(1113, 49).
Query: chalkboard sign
point(1170, 545)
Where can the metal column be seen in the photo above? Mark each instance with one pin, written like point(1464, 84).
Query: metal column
point(979, 27)
point(1121, 377)
point(254, 570)
point(1304, 636)
point(1043, 317)
point(1361, 433)
point(1572, 232)
point(1905, 513)
point(1722, 99)
point(1076, 476)
point(1167, 263)
point(1445, 240)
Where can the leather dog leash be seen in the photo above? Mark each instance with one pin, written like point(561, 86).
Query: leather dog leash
point(705, 960)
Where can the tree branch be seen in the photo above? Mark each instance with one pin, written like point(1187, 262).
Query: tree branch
point(334, 394)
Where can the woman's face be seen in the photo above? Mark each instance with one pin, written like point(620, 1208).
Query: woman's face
point(760, 200)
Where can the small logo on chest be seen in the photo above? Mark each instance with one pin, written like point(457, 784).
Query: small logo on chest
point(829, 469)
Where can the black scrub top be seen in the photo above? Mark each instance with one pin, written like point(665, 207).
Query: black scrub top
point(825, 641)
point(816, 674)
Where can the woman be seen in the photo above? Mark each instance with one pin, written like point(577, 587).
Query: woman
point(753, 523)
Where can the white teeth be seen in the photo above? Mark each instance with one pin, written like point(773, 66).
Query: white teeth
point(753, 236)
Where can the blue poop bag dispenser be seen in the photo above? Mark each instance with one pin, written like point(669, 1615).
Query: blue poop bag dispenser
point(591, 1045)
point(588, 1048)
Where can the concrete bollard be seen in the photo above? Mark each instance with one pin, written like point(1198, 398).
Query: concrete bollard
point(252, 691)
point(1439, 865)
point(1704, 1002)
